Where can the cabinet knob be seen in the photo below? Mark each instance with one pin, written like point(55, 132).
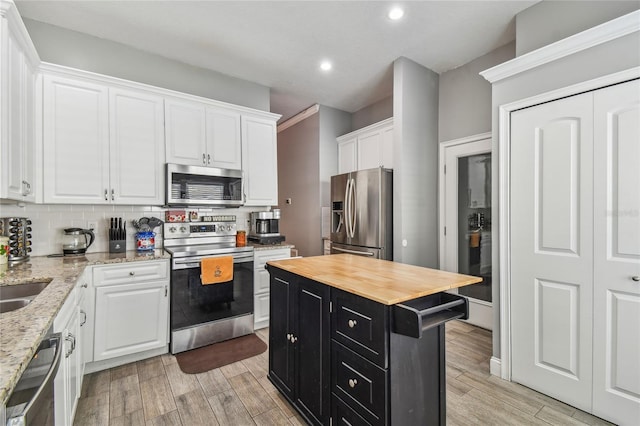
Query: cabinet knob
point(113, 194)
point(208, 158)
point(352, 383)
point(204, 158)
point(289, 336)
point(293, 338)
point(352, 323)
point(85, 285)
point(106, 195)
point(635, 278)
point(132, 273)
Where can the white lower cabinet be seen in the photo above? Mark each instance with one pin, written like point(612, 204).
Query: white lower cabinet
point(261, 283)
point(67, 383)
point(131, 308)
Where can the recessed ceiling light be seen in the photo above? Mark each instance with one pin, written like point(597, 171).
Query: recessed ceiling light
point(396, 13)
point(325, 65)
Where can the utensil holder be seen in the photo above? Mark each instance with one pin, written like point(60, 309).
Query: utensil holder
point(117, 246)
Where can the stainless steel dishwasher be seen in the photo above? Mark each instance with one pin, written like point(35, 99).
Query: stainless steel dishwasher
point(32, 402)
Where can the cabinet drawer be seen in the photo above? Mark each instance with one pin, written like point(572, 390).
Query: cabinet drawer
point(344, 415)
point(361, 325)
point(360, 383)
point(261, 257)
point(130, 273)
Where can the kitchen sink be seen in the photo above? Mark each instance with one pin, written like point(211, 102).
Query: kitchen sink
point(17, 296)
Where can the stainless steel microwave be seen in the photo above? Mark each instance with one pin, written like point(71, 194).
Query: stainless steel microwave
point(203, 186)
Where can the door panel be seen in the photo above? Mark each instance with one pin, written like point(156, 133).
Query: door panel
point(280, 352)
point(557, 185)
point(552, 252)
point(616, 393)
point(367, 195)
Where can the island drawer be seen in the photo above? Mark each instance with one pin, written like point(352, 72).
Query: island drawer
point(416, 316)
point(343, 415)
point(361, 325)
point(360, 383)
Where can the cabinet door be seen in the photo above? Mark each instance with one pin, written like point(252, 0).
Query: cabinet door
point(369, 150)
point(282, 306)
point(76, 143)
point(130, 318)
point(347, 159)
point(312, 339)
point(261, 310)
point(224, 144)
point(386, 159)
point(72, 361)
point(185, 132)
point(29, 185)
point(259, 161)
point(137, 147)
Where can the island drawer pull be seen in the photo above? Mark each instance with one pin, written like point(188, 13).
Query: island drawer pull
point(352, 323)
point(353, 383)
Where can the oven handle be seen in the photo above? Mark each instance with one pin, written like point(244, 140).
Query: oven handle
point(194, 262)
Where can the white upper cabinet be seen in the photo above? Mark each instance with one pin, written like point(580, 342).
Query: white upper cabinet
point(347, 155)
point(136, 141)
point(18, 62)
point(185, 132)
point(224, 146)
point(201, 135)
point(101, 145)
point(260, 161)
point(76, 141)
point(367, 148)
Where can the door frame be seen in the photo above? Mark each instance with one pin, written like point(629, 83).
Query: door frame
point(503, 365)
point(442, 192)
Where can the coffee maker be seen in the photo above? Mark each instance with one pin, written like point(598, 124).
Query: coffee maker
point(265, 227)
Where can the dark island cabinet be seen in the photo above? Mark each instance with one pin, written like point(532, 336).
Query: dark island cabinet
point(343, 359)
point(299, 342)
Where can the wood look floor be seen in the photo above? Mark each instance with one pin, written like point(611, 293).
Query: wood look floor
point(155, 392)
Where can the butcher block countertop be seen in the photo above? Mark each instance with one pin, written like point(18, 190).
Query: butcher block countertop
point(383, 281)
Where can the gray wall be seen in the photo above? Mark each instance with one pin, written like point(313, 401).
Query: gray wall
point(298, 171)
point(550, 21)
point(333, 123)
point(465, 96)
point(373, 113)
point(415, 175)
point(586, 65)
point(73, 49)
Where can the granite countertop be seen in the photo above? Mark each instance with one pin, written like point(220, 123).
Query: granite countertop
point(380, 280)
point(22, 330)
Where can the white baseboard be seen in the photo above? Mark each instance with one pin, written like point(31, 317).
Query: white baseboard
point(495, 366)
point(92, 367)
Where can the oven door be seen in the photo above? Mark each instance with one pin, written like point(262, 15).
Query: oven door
point(205, 314)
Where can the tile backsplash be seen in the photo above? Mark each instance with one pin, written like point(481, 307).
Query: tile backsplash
point(49, 220)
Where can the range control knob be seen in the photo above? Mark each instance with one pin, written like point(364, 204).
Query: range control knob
point(183, 229)
point(172, 229)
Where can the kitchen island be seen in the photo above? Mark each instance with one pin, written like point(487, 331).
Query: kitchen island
point(360, 341)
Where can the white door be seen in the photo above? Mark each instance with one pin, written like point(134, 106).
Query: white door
point(185, 127)
point(616, 317)
point(347, 156)
point(466, 237)
point(260, 161)
point(137, 147)
point(130, 318)
point(552, 248)
point(76, 141)
point(224, 144)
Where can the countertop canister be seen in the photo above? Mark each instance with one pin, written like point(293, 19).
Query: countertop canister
point(4, 250)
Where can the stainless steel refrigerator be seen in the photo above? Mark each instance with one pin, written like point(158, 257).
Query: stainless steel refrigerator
point(362, 213)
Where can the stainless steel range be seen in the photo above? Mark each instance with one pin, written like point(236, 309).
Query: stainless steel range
point(206, 314)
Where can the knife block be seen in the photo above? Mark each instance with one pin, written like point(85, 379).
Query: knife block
point(117, 246)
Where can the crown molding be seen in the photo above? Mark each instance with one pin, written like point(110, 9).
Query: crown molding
point(616, 28)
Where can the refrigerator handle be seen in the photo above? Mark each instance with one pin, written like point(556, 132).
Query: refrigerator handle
point(347, 203)
point(354, 210)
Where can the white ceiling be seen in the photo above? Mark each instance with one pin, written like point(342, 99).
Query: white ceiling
point(280, 44)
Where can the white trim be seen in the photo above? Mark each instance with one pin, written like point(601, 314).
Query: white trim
point(47, 67)
point(441, 187)
point(494, 366)
point(9, 11)
point(600, 34)
point(299, 117)
point(504, 164)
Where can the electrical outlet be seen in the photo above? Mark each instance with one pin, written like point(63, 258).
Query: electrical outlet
point(92, 225)
point(288, 201)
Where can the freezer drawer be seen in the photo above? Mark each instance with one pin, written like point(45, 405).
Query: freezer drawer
point(374, 253)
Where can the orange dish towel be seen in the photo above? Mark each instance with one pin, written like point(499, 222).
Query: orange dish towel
point(214, 270)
